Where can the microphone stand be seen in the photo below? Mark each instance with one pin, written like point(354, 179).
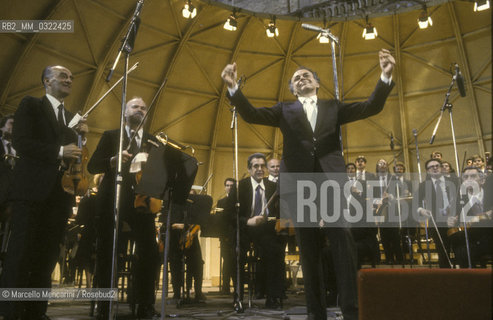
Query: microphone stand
point(238, 304)
point(127, 46)
point(418, 236)
point(447, 106)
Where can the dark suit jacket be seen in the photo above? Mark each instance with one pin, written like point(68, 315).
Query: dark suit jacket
point(246, 198)
point(451, 194)
point(37, 138)
point(302, 147)
point(100, 163)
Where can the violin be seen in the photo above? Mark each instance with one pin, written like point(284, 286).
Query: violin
point(74, 180)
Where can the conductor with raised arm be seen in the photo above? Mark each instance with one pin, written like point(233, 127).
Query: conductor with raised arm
point(310, 129)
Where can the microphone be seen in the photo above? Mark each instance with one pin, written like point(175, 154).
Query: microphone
point(138, 8)
point(326, 32)
point(460, 81)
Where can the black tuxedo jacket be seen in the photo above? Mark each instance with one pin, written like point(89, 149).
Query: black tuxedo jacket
point(302, 146)
point(100, 163)
point(37, 138)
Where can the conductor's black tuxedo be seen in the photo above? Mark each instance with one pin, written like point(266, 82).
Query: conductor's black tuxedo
point(40, 207)
point(319, 150)
point(141, 222)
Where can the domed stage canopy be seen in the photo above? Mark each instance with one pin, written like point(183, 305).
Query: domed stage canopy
point(191, 53)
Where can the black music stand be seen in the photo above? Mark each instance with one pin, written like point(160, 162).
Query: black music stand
point(169, 174)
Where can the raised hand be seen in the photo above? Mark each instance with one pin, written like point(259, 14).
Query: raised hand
point(387, 62)
point(229, 75)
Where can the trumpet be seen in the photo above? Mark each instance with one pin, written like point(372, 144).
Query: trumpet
point(165, 140)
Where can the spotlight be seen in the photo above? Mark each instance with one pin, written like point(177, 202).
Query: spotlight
point(189, 11)
point(424, 19)
point(323, 37)
point(481, 5)
point(369, 32)
point(231, 24)
point(272, 30)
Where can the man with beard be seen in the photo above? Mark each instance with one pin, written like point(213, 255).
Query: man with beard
point(141, 221)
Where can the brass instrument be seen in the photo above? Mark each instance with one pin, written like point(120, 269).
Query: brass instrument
point(165, 140)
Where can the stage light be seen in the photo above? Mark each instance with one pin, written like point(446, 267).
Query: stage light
point(272, 30)
point(369, 32)
point(323, 37)
point(481, 5)
point(231, 24)
point(189, 11)
point(424, 19)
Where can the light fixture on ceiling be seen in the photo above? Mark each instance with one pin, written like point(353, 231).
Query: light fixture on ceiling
point(481, 5)
point(189, 11)
point(231, 24)
point(424, 20)
point(369, 32)
point(272, 30)
point(323, 37)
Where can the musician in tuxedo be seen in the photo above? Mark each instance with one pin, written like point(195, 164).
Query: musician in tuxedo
point(365, 238)
point(311, 129)
point(361, 173)
point(437, 198)
point(7, 162)
point(254, 195)
point(273, 166)
point(471, 206)
point(40, 207)
point(140, 220)
point(227, 238)
point(185, 250)
point(383, 194)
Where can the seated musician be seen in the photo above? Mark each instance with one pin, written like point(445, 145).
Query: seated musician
point(140, 220)
point(254, 194)
point(472, 196)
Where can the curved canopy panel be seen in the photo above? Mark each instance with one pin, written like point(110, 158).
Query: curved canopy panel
point(191, 53)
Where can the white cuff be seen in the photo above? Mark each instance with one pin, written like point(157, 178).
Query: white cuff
point(385, 79)
point(232, 91)
point(60, 153)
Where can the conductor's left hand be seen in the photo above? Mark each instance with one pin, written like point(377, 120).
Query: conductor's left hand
point(387, 62)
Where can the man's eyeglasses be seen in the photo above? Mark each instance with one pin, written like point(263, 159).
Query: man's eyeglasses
point(436, 166)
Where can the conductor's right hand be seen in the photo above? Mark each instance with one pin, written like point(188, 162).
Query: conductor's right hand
point(229, 75)
point(125, 158)
point(71, 151)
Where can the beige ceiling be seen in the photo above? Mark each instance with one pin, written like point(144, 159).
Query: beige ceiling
point(190, 54)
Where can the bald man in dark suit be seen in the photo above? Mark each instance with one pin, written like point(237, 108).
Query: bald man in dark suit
point(41, 207)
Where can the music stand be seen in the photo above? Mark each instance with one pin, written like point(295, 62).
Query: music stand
point(169, 173)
